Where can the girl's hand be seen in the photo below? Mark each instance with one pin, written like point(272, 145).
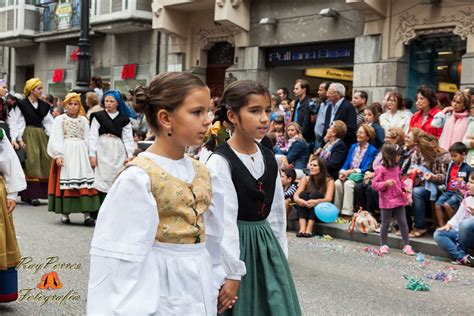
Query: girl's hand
point(59, 161)
point(389, 182)
point(446, 227)
point(22, 144)
point(15, 145)
point(11, 204)
point(228, 295)
point(93, 161)
point(448, 109)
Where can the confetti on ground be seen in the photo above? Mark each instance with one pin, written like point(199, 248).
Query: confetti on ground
point(420, 257)
point(373, 251)
point(415, 285)
point(440, 276)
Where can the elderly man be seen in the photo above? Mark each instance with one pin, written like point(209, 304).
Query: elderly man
point(341, 109)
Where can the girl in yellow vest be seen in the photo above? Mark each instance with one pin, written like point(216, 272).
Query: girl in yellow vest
point(156, 245)
point(254, 246)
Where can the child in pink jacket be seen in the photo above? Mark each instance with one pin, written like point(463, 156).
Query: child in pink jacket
point(392, 200)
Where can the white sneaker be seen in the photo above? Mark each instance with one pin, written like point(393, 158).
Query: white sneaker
point(384, 249)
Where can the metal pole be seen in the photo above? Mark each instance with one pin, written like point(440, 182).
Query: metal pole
point(84, 56)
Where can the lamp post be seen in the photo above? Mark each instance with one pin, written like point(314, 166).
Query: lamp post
point(84, 56)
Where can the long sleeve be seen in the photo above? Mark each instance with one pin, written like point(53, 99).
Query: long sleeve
point(233, 266)
point(121, 248)
point(11, 169)
point(295, 151)
point(93, 137)
point(378, 183)
point(469, 133)
point(439, 120)
point(17, 124)
point(347, 163)
point(56, 139)
point(277, 216)
point(214, 221)
point(48, 122)
point(127, 137)
point(462, 213)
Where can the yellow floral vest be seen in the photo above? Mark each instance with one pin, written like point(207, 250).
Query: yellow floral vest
point(180, 205)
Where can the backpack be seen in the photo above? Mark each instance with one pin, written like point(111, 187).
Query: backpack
point(363, 222)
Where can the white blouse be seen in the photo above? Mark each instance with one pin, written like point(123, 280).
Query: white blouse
point(11, 170)
point(127, 136)
point(128, 219)
point(400, 119)
point(17, 123)
point(56, 139)
point(219, 168)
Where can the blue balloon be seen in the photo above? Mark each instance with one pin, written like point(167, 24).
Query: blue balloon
point(326, 212)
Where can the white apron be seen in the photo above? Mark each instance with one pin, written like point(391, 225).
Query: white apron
point(111, 156)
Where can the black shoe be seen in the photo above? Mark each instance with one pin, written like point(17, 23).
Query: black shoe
point(300, 234)
point(469, 261)
point(27, 201)
point(89, 222)
point(35, 202)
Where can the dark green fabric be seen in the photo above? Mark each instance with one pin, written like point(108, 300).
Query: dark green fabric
point(68, 205)
point(267, 288)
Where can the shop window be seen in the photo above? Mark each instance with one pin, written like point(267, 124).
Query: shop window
point(59, 89)
point(125, 85)
point(436, 62)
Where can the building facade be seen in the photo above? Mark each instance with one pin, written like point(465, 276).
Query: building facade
point(41, 39)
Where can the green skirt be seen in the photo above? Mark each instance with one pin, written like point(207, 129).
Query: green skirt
point(37, 162)
point(267, 288)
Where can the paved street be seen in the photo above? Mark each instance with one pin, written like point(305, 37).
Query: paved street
point(332, 277)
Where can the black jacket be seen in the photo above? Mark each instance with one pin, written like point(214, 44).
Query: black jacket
point(307, 108)
point(337, 159)
point(348, 115)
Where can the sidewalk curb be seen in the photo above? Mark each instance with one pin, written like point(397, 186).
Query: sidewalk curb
point(425, 245)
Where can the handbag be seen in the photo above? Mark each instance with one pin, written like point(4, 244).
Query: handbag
point(356, 177)
point(363, 222)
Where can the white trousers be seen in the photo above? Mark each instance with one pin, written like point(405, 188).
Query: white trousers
point(344, 196)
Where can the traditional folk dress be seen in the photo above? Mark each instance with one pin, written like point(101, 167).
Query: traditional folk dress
point(254, 246)
point(32, 122)
point(156, 245)
point(12, 181)
point(71, 187)
point(111, 142)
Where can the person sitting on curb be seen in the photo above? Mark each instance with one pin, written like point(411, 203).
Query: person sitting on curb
point(316, 188)
point(452, 236)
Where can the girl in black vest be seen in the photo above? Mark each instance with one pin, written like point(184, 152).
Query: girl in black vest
point(255, 249)
point(30, 127)
point(110, 141)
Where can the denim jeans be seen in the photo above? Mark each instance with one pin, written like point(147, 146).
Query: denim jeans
point(466, 232)
point(449, 241)
point(420, 197)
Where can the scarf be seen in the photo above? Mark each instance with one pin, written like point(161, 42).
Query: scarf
point(122, 107)
point(30, 85)
point(454, 129)
point(72, 96)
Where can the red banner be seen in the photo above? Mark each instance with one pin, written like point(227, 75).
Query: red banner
point(129, 71)
point(58, 75)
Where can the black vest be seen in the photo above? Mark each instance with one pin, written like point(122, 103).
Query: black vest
point(109, 125)
point(33, 117)
point(255, 196)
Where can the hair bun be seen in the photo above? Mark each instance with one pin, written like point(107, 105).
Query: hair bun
point(140, 98)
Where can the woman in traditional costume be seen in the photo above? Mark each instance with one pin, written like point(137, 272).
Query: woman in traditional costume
point(71, 181)
point(110, 141)
point(30, 126)
point(156, 245)
point(12, 181)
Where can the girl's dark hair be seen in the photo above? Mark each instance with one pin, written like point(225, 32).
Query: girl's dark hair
point(166, 91)
point(290, 173)
point(319, 182)
point(97, 81)
point(237, 95)
point(375, 112)
point(389, 155)
point(399, 98)
point(443, 99)
point(426, 92)
point(407, 103)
